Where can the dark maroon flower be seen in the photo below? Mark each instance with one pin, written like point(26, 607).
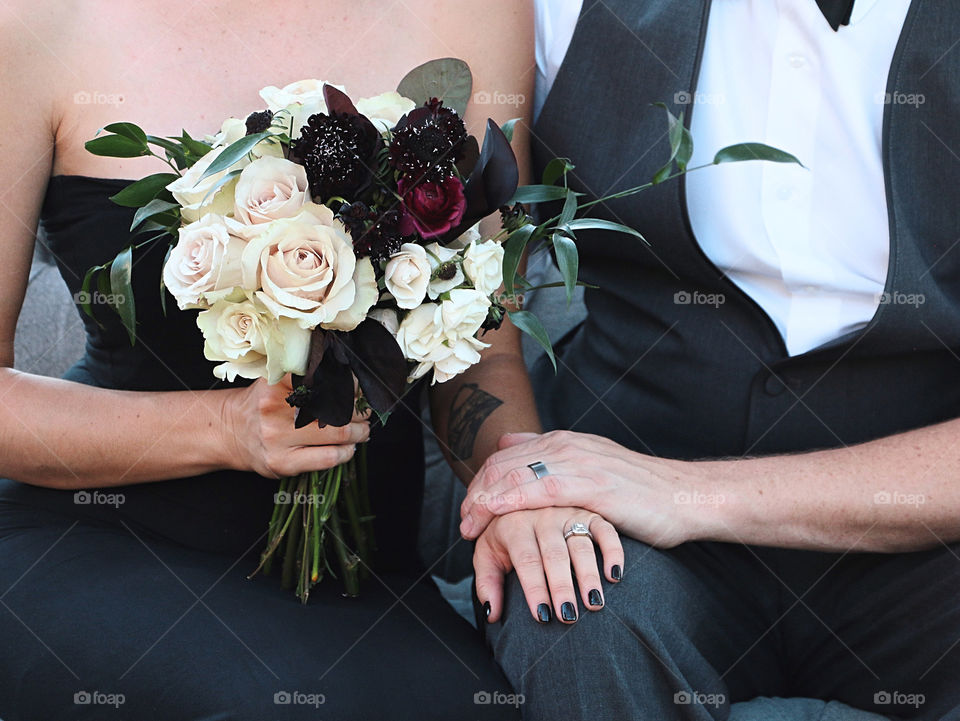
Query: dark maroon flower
point(431, 209)
point(339, 153)
point(428, 142)
point(382, 237)
point(259, 122)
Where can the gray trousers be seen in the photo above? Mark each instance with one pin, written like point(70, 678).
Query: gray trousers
point(691, 630)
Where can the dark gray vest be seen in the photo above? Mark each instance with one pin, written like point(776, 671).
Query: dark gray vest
point(690, 381)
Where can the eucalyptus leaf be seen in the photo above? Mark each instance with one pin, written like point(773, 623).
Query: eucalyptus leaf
point(600, 224)
point(234, 152)
point(121, 290)
point(538, 194)
point(531, 325)
point(753, 151)
point(154, 207)
point(144, 190)
point(508, 127)
point(568, 261)
point(116, 146)
point(128, 130)
point(569, 209)
point(448, 79)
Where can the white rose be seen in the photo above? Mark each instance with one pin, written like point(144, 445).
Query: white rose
point(204, 264)
point(407, 275)
point(420, 332)
point(483, 264)
point(385, 110)
point(387, 317)
point(468, 236)
point(230, 132)
point(439, 255)
point(194, 194)
point(448, 361)
point(462, 315)
point(299, 100)
point(307, 271)
point(240, 331)
point(269, 189)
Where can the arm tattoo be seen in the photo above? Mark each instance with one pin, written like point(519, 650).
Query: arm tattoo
point(469, 409)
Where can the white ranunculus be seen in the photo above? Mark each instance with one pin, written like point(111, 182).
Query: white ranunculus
point(307, 270)
point(448, 361)
point(387, 317)
point(420, 332)
point(269, 189)
point(204, 264)
point(483, 264)
point(239, 331)
point(298, 100)
point(438, 255)
point(462, 315)
point(386, 109)
point(407, 275)
point(230, 132)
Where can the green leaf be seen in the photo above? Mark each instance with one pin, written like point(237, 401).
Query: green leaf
point(220, 183)
point(84, 299)
point(538, 194)
point(556, 168)
point(600, 224)
point(753, 151)
point(172, 148)
point(531, 325)
point(121, 291)
point(127, 130)
point(234, 152)
point(143, 191)
point(195, 148)
point(513, 249)
point(507, 128)
point(568, 261)
point(163, 287)
point(675, 133)
point(154, 207)
point(116, 146)
point(447, 78)
point(569, 209)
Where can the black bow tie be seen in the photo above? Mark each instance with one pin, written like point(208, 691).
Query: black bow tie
point(837, 12)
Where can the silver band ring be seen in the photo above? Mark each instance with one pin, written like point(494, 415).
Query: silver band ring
point(578, 529)
point(539, 470)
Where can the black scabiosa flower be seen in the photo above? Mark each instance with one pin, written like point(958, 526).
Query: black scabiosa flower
point(259, 122)
point(339, 153)
point(428, 142)
point(381, 238)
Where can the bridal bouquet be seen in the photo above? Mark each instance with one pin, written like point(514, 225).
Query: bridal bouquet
point(338, 241)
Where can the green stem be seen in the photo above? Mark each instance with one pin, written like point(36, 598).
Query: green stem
point(348, 561)
point(293, 538)
point(318, 528)
point(274, 541)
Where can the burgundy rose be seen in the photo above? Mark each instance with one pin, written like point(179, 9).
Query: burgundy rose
point(432, 209)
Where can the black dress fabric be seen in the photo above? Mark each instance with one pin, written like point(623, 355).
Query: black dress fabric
point(136, 605)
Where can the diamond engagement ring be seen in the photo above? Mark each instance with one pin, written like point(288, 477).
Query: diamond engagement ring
point(578, 529)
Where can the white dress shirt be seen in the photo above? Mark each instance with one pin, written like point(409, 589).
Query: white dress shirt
point(809, 245)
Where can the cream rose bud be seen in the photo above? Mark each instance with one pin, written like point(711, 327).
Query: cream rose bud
point(193, 194)
point(387, 317)
point(443, 282)
point(483, 264)
point(449, 361)
point(230, 132)
point(204, 264)
point(270, 189)
point(241, 332)
point(307, 270)
point(386, 109)
point(462, 315)
point(298, 100)
point(407, 275)
point(420, 332)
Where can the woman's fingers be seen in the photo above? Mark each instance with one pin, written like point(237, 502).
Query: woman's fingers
point(555, 556)
point(489, 570)
point(584, 559)
point(525, 555)
point(611, 548)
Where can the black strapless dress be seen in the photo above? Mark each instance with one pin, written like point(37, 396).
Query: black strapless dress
point(149, 598)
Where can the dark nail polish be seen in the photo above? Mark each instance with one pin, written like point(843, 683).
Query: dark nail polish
point(543, 613)
point(615, 573)
point(568, 611)
point(595, 598)
point(486, 609)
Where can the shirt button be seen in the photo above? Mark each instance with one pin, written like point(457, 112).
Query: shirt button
point(796, 60)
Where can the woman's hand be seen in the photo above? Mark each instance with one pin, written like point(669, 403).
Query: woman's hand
point(259, 434)
point(642, 496)
point(532, 544)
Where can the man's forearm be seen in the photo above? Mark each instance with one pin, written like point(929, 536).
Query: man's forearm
point(898, 493)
